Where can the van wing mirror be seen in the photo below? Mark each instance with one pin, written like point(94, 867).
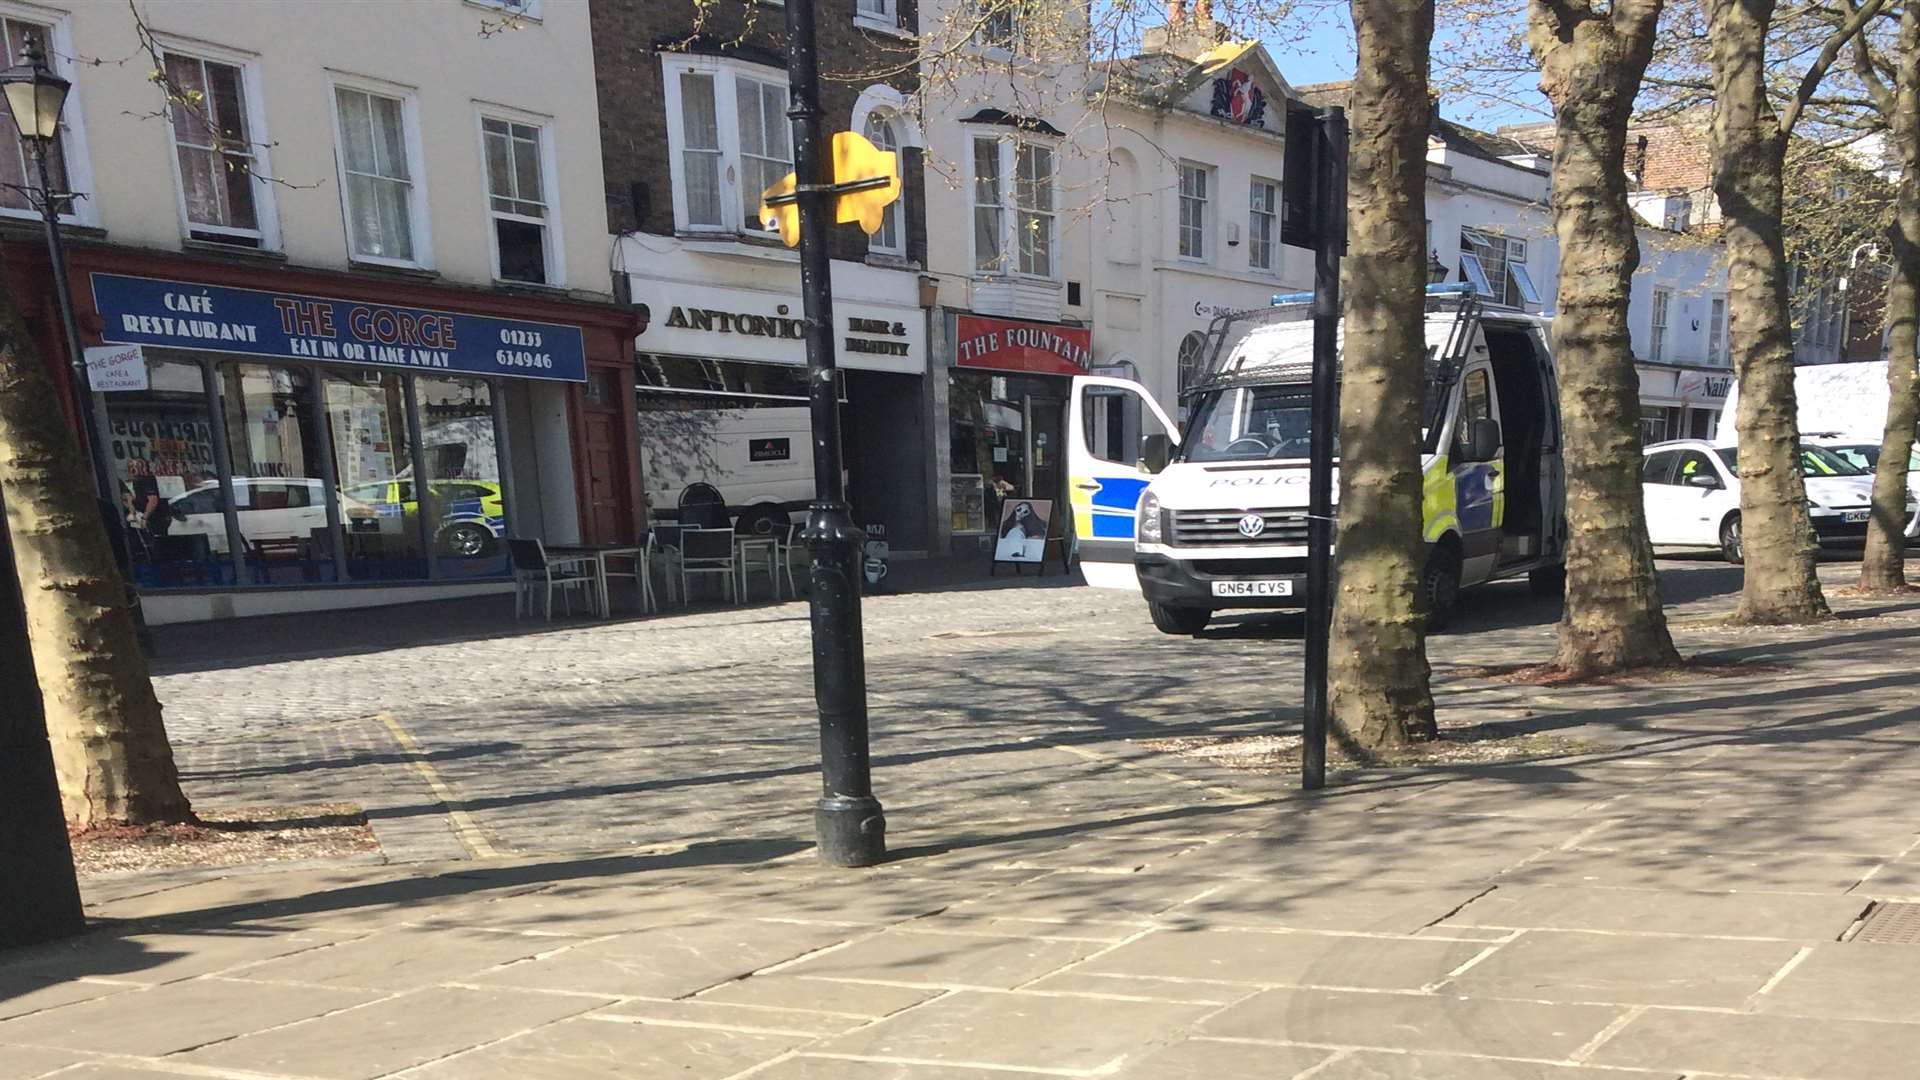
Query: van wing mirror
point(1155, 452)
point(1705, 480)
point(1483, 439)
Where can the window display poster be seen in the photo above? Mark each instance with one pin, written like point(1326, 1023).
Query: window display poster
point(969, 503)
point(1023, 530)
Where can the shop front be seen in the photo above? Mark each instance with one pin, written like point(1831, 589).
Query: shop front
point(721, 387)
point(295, 440)
point(1007, 395)
point(1681, 402)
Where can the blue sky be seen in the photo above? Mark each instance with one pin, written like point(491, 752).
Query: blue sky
point(1322, 51)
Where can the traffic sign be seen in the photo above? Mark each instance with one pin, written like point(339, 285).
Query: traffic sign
point(866, 180)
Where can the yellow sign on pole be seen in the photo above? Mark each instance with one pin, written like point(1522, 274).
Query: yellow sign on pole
point(866, 180)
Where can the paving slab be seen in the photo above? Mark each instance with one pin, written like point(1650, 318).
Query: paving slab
point(33, 1062)
point(1033, 1031)
point(1858, 981)
point(1704, 871)
point(160, 957)
point(405, 958)
point(590, 1049)
point(1627, 969)
point(1371, 1066)
point(1262, 958)
point(668, 961)
point(1772, 1046)
point(1202, 1059)
point(393, 1033)
point(779, 990)
point(1310, 904)
point(1435, 1022)
point(1885, 836)
point(23, 994)
point(1897, 880)
point(702, 1012)
point(946, 960)
point(810, 1067)
point(115, 1071)
point(176, 1016)
point(1080, 981)
point(1081, 897)
point(1787, 916)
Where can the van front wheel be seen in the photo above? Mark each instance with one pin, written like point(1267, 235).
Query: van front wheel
point(1440, 587)
point(1185, 621)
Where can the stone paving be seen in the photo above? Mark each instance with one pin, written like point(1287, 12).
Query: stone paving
point(598, 865)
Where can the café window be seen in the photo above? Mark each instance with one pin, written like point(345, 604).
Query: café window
point(517, 204)
point(378, 176)
point(217, 141)
point(322, 485)
point(727, 136)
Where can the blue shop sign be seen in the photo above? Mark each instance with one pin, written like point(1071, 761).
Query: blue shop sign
point(251, 322)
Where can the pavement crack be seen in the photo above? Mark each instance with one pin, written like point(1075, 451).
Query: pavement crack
point(1457, 908)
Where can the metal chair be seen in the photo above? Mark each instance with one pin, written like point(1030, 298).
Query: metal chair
point(708, 551)
point(532, 568)
point(663, 545)
point(784, 542)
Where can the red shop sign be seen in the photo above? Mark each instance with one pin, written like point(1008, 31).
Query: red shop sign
point(1010, 345)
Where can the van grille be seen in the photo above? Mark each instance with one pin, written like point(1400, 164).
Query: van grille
point(1223, 527)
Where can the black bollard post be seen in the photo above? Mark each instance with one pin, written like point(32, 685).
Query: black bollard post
point(1330, 198)
point(848, 821)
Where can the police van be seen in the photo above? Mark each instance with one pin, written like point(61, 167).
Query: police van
point(1215, 517)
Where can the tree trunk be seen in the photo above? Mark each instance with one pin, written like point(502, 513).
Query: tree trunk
point(39, 897)
point(110, 747)
point(1591, 66)
point(1377, 662)
point(1749, 157)
point(1883, 568)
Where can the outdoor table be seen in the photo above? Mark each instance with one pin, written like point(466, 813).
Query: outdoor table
point(600, 553)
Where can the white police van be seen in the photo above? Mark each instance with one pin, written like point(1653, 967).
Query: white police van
point(1215, 517)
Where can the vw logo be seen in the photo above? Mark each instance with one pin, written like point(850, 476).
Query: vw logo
point(1252, 525)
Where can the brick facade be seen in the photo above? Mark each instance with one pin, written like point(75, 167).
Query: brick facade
point(628, 37)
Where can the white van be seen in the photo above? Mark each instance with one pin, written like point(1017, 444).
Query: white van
point(761, 460)
point(1224, 523)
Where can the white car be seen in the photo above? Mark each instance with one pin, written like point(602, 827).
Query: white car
point(269, 508)
point(1865, 455)
point(1692, 492)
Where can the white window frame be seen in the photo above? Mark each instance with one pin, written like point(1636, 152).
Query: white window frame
point(266, 209)
point(887, 19)
point(549, 190)
point(897, 210)
point(419, 215)
point(1717, 332)
point(982, 14)
point(1007, 145)
point(1254, 213)
point(73, 127)
point(1661, 311)
point(1203, 232)
point(726, 107)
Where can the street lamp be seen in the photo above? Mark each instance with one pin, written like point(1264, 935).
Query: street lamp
point(35, 98)
point(1436, 270)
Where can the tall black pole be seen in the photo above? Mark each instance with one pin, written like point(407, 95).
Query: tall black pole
point(105, 493)
point(63, 297)
point(39, 898)
point(1330, 203)
point(849, 824)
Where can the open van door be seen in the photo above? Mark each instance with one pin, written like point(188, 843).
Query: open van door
point(1108, 422)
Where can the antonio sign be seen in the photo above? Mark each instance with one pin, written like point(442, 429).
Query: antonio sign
point(1011, 345)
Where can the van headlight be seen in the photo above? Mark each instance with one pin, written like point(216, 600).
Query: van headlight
point(1149, 530)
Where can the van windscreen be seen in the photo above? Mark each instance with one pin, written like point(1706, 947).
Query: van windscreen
point(1250, 423)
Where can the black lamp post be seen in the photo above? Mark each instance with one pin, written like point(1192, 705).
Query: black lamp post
point(1436, 270)
point(35, 97)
